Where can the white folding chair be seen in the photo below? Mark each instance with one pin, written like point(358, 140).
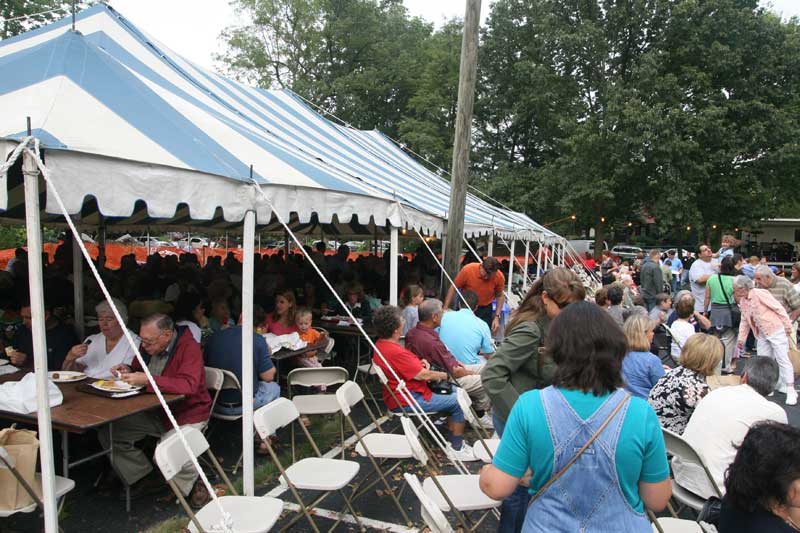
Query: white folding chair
point(63, 486)
point(249, 514)
point(320, 403)
point(312, 473)
point(678, 447)
point(487, 447)
point(380, 446)
point(215, 380)
point(229, 382)
point(364, 371)
point(674, 525)
point(459, 493)
point(433, 517)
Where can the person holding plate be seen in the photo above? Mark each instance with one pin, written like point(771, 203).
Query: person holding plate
point(101, 352)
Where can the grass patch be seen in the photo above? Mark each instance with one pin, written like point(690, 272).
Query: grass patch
point(171, 525)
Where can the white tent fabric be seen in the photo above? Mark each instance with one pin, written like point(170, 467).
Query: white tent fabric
point(129, 120)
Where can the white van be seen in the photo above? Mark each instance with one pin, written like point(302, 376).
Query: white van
point(582, 246)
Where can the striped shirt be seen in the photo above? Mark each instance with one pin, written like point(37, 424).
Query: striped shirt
point(783, 291)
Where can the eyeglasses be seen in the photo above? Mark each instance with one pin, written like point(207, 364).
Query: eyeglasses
point(150, 342)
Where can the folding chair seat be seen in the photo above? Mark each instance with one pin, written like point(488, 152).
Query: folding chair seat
point(485, 448)
point(678, 447)
point(249, 514)
point(459, 493)
point(63, 486)
point(312, 473)
point(432, 515)
point(320, 403)
point(374, 445)
point(674, 525)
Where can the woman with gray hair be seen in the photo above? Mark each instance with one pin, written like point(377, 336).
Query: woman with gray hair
point(767, 319)
point(104, 350)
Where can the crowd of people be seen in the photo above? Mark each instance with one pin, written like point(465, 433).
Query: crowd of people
point(578, 390)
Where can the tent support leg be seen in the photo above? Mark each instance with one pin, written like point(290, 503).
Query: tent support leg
point(248, 241)
point(394, 249)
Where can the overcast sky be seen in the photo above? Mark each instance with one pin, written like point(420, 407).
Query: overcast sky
point(193, 32)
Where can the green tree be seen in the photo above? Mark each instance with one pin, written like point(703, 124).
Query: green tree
point(359, 59)
point(18, 16)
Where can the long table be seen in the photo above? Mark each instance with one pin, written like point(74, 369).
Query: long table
point(81, 411)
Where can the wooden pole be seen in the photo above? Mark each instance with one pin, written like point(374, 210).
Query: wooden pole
point(461, 145)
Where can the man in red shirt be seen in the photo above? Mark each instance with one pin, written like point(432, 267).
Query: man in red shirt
point(175, 360)
point(388, 324)
point(488, 283)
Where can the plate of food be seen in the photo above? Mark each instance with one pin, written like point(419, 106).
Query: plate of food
point(65, 376)
point(114, 385)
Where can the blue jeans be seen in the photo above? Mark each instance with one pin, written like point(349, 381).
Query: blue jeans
point(514, 507)
point(441, 403)
point(265, 392)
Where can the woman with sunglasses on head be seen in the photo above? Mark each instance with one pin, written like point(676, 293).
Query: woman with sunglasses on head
point(518, 366)
point(596, 453)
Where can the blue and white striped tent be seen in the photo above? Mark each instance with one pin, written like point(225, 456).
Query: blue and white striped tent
point(139, 135)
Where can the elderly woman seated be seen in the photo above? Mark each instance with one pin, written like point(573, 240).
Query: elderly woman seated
point(678, 392)
point(100, 352)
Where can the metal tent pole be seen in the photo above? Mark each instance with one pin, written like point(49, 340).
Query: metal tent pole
point(77, 287)
point(525, 276)
point(248, 239)
point(394, 249)
point(33, 228)
point(490, 245)
point(510, 266)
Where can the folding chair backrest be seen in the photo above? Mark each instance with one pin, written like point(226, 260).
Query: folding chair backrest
point(171, 455)
point(274, 415)
point(465, 403)
point(679, 447)
point(431, 513)
point(317, 377)
point(381, 375)
point(412, 435)
point(230, 381)
point(348, 395)
point(214, 378)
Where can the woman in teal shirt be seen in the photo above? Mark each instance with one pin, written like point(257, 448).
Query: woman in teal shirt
point(623, 471)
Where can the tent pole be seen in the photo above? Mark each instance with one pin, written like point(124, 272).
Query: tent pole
point(248, 238)
point(539, 268)
point(148, 241)
point(33, 228)
point(525, 274)
point(510, 265)
point(285, 244)
point(77, 286)
point(394, 249)
point(490, 244)
point(441, 271)
point(226, 243)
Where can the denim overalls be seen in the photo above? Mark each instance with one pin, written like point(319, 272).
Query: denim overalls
point(587, 498)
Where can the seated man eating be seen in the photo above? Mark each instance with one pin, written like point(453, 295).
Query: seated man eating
point(174, 359)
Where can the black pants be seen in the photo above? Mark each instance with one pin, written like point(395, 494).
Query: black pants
point(485, 313)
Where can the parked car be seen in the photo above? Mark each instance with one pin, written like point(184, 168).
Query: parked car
point(625, 251)
point(193, 242)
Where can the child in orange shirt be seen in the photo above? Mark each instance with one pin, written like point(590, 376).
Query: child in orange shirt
point(312, 337)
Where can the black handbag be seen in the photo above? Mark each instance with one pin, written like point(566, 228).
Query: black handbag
point(736, 313)
point(440, 386)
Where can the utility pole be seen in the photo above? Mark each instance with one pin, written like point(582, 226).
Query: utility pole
point(463, 134)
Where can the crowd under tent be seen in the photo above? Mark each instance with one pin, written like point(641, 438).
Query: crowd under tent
point(134, 136)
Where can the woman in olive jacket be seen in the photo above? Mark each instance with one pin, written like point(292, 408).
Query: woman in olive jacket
point(519, 366)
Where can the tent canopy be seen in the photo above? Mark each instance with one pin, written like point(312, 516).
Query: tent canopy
point(136, 135)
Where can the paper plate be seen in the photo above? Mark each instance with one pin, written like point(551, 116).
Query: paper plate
point(4, 362)
point(65, 376)
point(109, 385)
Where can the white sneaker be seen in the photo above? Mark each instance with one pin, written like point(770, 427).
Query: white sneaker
point(465, 454)
point(486, 420)
point(791, 396)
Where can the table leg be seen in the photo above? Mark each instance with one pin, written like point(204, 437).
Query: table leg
point(65, 453)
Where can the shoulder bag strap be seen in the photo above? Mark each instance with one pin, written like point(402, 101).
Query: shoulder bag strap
point(580, 452)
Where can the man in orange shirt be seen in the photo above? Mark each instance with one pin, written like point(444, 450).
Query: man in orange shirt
point(488, 283)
